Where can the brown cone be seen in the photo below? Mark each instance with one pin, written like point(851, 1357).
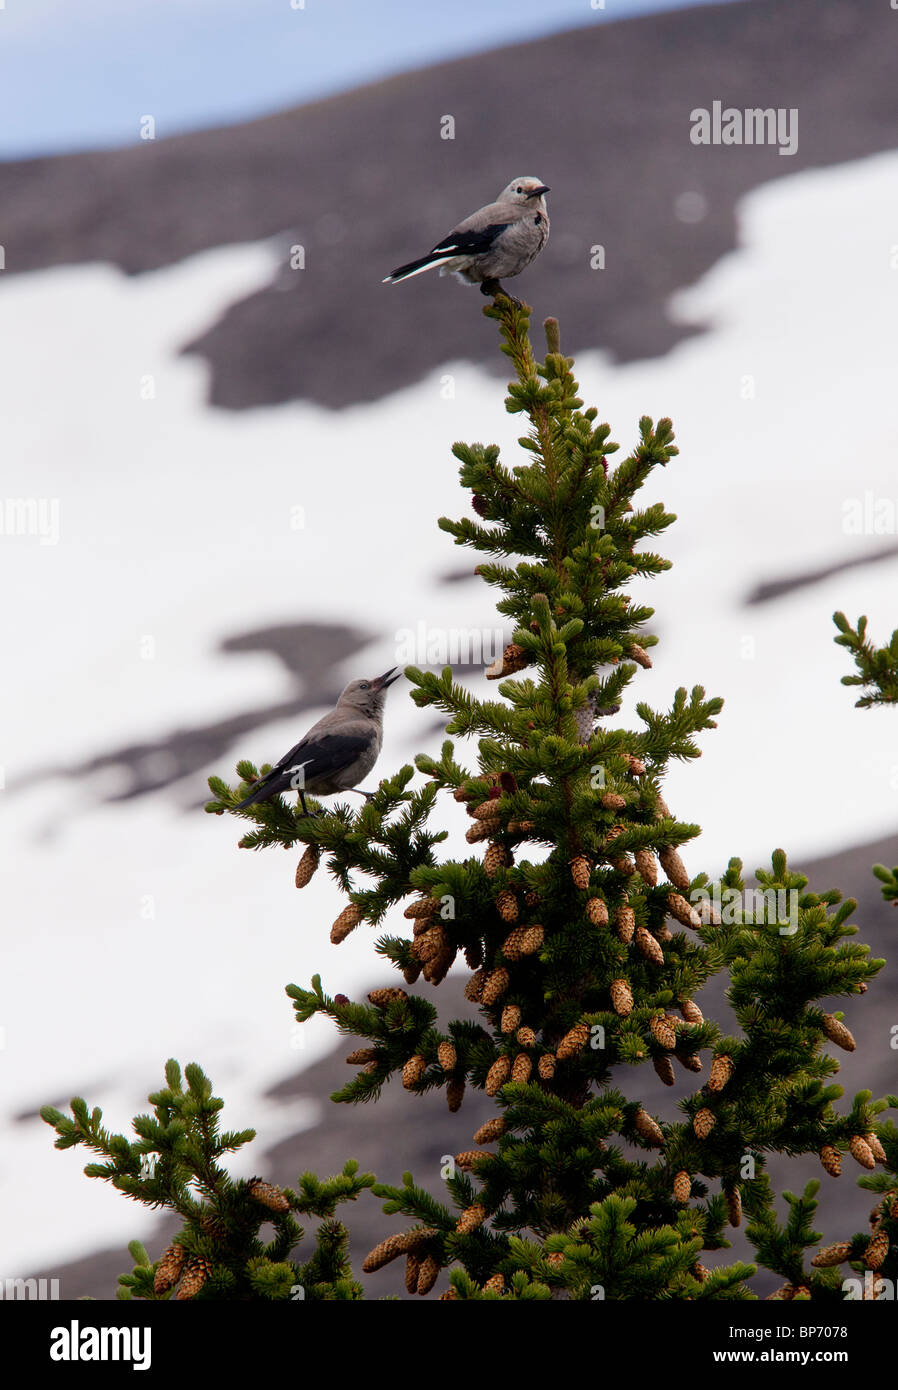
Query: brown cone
point(474, 987)
point(838, 1033)
point(831, 1160)
point(307, 865)
point(428, 1274)
point(169, 1269)
point(447, 1056)
point(649, 1130)
point(612, 802)
point(523, 941)
point(347, 921)
point(490, 1131)
point(580, 871)
point(412, 1270)
point(678, 907)
point(381, 997)
point(734, 1206)
point(546, 1066)
point(573, 1042)
point(196, 1272)
point(521, 1068)
point(674, 868)
point(649, 946)
point(621, 997)
point(413, 1070)
point(703, 1122)
point(663, 1031)
point(526, 1037)
point(597, 912)
point(511, 1018)
point(832, 1254)
point(691, 1011)
point(274, 1198)
point(721, 1071)
point(876, 1251)
point(624, 924)
point(470, 1219)
point(682, 1187)
point(497, 1075)
point(496, 857)
point(860, 1151)
point(455, 1093)
point(647, 866)
point(494, 986)
point(507, 905)
point(664, 1067)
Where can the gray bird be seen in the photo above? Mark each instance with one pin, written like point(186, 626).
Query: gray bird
point(338, 752)
point(497, 241)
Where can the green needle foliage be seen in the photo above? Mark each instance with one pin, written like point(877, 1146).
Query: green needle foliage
point(877, 666)
point(218, 1254)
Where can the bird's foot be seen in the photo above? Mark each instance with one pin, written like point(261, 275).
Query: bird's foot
point(369, 796)
point(494, 288)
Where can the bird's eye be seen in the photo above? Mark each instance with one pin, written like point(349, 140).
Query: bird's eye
point(519, 189)
point(365, 685)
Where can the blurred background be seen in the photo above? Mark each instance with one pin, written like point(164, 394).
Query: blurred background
point(226, 443)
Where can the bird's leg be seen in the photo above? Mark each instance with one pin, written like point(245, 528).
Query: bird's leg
point(369, 796)
point(305, 809)
point(494, 288)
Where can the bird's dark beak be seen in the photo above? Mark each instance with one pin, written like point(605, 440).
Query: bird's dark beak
point(538, 192)
point(381, 682)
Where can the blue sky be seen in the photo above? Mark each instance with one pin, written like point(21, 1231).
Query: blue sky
point(80, 73)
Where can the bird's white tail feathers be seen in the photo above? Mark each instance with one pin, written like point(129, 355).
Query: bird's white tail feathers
point(409, 274)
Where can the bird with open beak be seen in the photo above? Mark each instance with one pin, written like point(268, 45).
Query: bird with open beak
point(338, 752)
point(494, 243)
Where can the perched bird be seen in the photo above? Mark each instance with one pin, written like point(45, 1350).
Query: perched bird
point(492, 244)
point(338, 752)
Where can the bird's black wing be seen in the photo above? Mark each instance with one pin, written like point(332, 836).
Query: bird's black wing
point(470, 241)
point(322, 756)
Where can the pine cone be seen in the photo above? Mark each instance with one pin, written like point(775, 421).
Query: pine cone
point(700, 1273)
point(514, 658)
point(307, 865)
point(523, 941)
point(612, 802)
point(438, 967)
point(703, 1122)
point(708, 913)
point(640, 656)
point(507, 905)
point(494, 986)
point(429, 944)
point(649, 946)
point(734, 1206)
point(649, 1130)
point(637, 768)
point(168, 1271)
point(597, 912)
point(455, 1093)
point(691, 1011)
point(860, 1151)
point(580, 870)
point(721, 1071)
point(784, 1294)
point(838, 1033)
point(411, 972)
point(663, 1031)
point(876, 1251)
point(647, 867)
point(511, 1018)
point(521, 1069)
point(526, 1037)
point(832, 1255)
point(490, 1131)
point(624, 924)
point(496, 857)
point(621, 998)
point(474, 955)
point(447, 1056)
point(573, 1042)
point(664, 1067)
point(521, 828)
point(413, 1070)
point(682, 1187)
point(347, 921)
point(474, 987)
point(497, 1075)
point(876, 1148)
point(196, 1272)
point(422, 907)
point(465, 1160)
point(380, 998)
point(412, 1271)
point(689, 1060)
point(831, 1160)
point(495, 1283)
point(274, 1198)
point(487, 810)
point(674, 867)
point(470, 1219)
point(546, 1066)
point(678, 907)
point(428, 1274)
point(480, 830)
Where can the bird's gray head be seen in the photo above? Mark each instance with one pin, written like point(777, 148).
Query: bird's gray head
point(525, 189)
point(367, 697)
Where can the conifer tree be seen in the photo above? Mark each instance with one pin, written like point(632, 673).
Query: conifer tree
point(584, 937)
